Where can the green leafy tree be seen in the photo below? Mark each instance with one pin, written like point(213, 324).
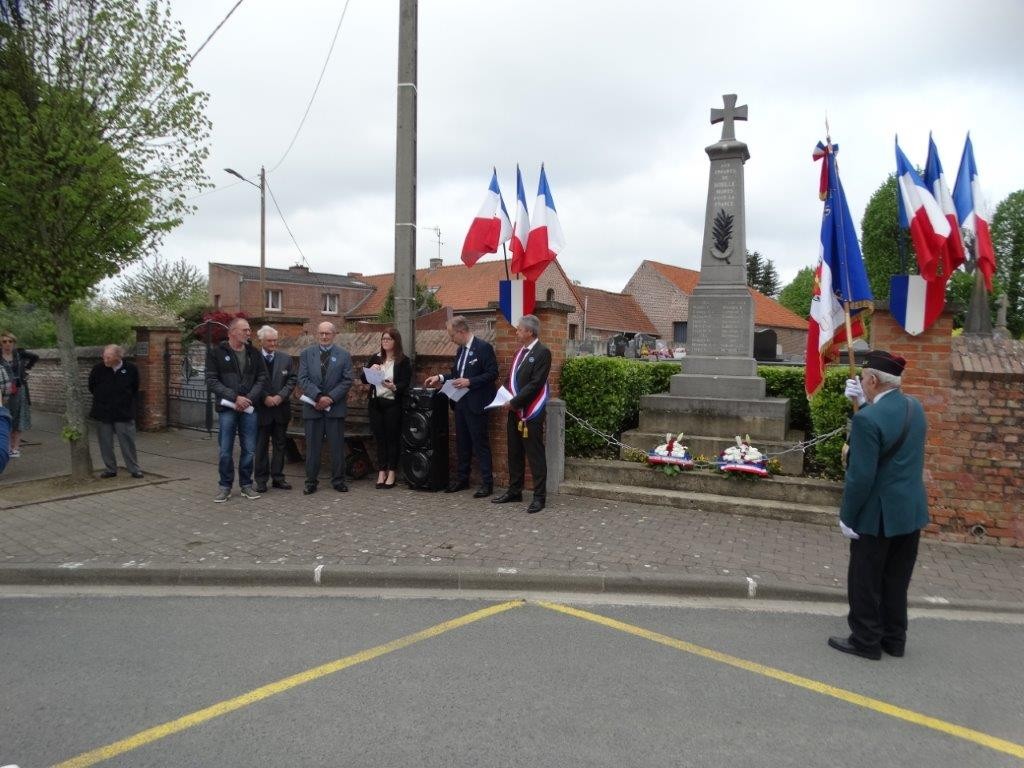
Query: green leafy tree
point(796, 296)
point(170, 285)
point(426, 302)
point(880, 240)
point(762, 274)
point(755, 264)
point(1008, 240)
point(101, 139)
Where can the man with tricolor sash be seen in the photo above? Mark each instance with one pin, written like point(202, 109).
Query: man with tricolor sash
point(528, 383)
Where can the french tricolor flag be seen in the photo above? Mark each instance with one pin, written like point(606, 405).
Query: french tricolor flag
point(521, 230)
point(490, 228)
point(916, 303)
point(546, 239)
point(972, 212)
point(516, 298)
point(935, 180)
point(920, 213)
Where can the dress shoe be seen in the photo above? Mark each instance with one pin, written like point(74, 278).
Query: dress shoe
point(846, 645)
point(506, 497)
point(108, 474)
point(380, 485)
point(535, 506)
point(484, 492)
point(284, 485)
point(308, 488)
point(340, 487)
point(261, 487)
point(894, 649)
point(389, 485)
point(138, 475)
point(457, 485)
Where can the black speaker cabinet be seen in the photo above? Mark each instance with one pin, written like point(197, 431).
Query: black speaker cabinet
point(425, 439)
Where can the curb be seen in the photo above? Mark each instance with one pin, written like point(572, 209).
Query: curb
point(455, 579)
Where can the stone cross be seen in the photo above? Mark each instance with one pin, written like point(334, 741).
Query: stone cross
point(728, 115)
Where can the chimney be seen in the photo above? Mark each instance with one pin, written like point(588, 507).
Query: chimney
point(301, 269)
point(435, 263)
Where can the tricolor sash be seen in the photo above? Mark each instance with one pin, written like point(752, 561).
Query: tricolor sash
point(534, 408)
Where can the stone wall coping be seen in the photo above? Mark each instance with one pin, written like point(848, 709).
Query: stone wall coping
point(980, 357)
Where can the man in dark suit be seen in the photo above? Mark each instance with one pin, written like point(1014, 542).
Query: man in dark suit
point(325, 377)
point(884, 507)
point(528, 383)
point(475, 369)
point(273, 412)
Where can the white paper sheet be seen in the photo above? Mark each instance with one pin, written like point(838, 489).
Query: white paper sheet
point(454, 394)
point(309, 401)
point(501, 397)
point(373, 376)
point(228, 404)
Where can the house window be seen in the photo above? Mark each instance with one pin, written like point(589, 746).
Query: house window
point(216, 301)
point(572, 331)
point(274, 300)
point(679, 332)
point(329, 303)
point(550, 294)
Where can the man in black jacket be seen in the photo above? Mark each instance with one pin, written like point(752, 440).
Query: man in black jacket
point(273, 412)
point(114, 385)
point(236, 375)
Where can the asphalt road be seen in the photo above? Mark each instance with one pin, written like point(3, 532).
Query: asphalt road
point(506, 684)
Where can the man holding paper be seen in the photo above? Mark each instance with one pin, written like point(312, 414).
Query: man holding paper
point(236, 375)
point(474, 372)
point(325, 377)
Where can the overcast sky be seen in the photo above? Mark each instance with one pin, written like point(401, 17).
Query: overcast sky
point(613, 97)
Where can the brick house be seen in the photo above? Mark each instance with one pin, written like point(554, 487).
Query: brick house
point(606, 314)
point(292, 292)
point(664, 292)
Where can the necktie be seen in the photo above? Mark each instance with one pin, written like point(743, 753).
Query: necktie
point(462, 361)
point(269, 359)
point(325, 359)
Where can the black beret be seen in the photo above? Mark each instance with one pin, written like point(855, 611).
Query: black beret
point(883, 361)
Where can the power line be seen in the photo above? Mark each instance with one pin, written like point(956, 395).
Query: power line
point(284, 221)
point(215, 30)
point(316, 88)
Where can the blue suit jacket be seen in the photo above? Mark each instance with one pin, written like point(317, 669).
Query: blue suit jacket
point(482, 371)
point(336, 385)
point(890, 498)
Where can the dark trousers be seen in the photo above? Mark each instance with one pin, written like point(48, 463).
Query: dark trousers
point(471, 437)
point(125, 433)
point(529, 448)
point(878, 579)
point(386, 425)
point(334, 429)
point(272, 434)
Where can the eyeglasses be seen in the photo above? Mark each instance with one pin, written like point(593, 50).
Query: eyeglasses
point(386, 338)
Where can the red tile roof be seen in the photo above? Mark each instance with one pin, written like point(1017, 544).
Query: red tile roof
point(614, 311)
point(767, 311)
point(462, 289)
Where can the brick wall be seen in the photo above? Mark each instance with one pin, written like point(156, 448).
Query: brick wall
point(972, 390)
point(662, 301)
point(45, 380)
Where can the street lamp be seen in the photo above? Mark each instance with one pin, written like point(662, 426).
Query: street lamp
point(262, 187)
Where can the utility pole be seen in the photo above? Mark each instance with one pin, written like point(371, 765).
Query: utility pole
point(405, 178)
point(263, 240)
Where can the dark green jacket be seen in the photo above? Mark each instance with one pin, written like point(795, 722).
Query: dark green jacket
point(890, 497)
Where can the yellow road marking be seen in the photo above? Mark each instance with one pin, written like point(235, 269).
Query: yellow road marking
point(984, 739)
point(230, 705)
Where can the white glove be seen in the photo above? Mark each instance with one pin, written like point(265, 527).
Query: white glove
point(855, 391)
point(847, 531)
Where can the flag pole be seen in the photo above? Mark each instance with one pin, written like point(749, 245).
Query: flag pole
point(504, 252)
point(842, 250)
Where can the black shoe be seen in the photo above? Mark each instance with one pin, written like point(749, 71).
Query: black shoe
point(284, 485)
point(261, 487)
point(389, 485)
point(484, 492)
point(380, 485)
point(340, 487)
point(457, 485)
point(138, 475)
point(894, 649)
point(308, 488)
point(846, 645)
point(535, 506)
point(108, 474)
point(506, 497)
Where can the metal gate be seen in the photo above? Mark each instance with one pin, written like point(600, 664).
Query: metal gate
point(189, 404)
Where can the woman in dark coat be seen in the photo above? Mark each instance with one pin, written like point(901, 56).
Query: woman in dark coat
point(16, 362)
point(385, 405)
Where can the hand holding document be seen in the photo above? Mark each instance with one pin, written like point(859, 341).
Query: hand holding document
point(229, 404)
point(501, 397)
point(310, 401)
point(374, 376)
point(454, 393)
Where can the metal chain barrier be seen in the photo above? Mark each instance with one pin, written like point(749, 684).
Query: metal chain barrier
point(802, 446)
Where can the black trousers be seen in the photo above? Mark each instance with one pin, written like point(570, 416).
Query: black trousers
point(471, 437)
point(316, 429)
point(877, 583)
point(386, 425)
point(529, 448)
point(268, 466)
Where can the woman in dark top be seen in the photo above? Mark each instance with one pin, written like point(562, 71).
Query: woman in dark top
point(15, 363)
point(385, 406)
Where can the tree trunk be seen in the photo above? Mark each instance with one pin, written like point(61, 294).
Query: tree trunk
point(76, 430)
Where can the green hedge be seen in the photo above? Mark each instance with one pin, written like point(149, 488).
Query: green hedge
point(605, 392)
point(788, 381)
point(829, 410)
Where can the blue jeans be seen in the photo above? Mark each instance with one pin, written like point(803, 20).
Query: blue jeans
point(245, 426)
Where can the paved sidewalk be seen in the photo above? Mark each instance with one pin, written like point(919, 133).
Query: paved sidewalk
point(154, 531)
